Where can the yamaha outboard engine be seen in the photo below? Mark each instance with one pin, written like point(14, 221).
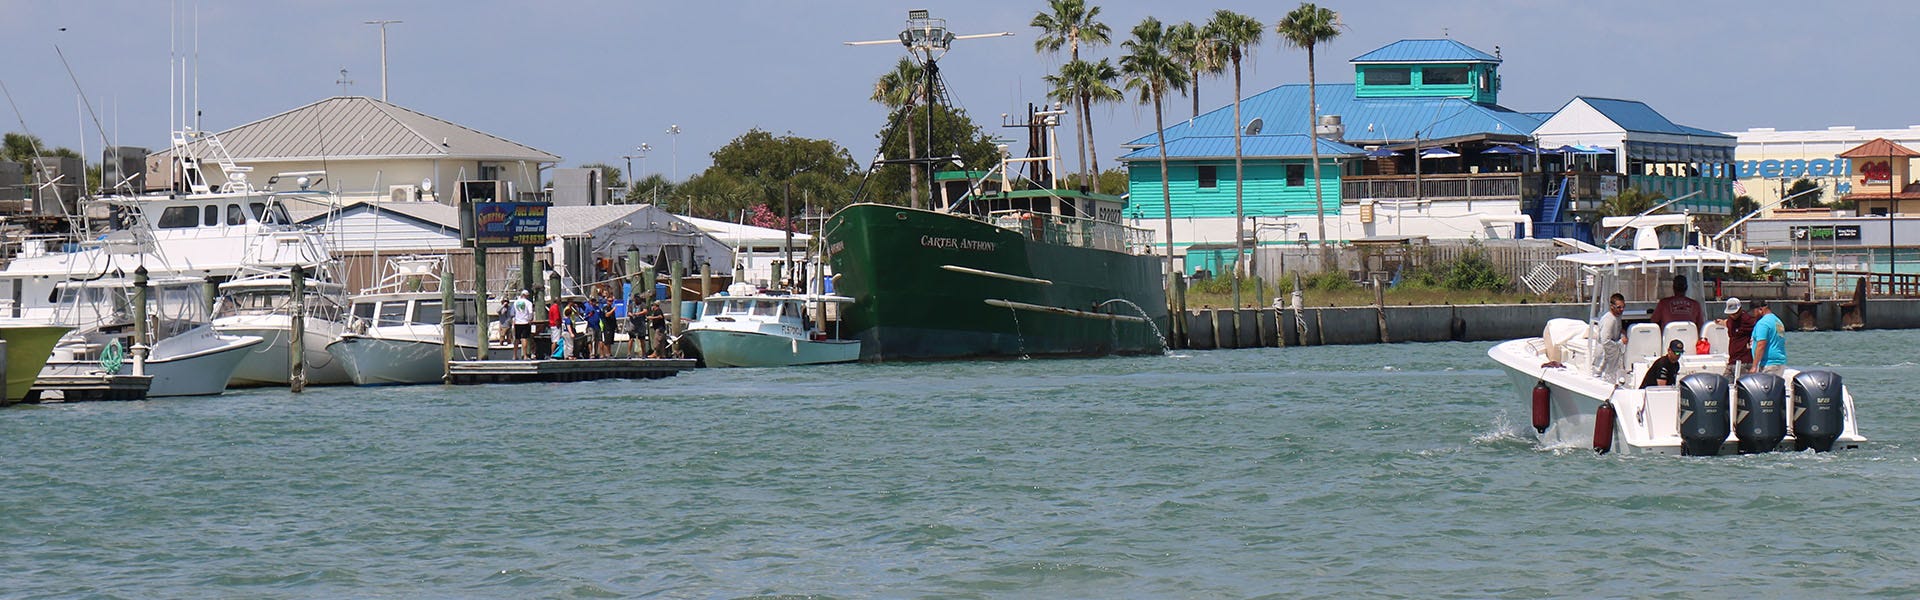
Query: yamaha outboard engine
point(1818, 410)
point(1703, 414)
point(1760, 412)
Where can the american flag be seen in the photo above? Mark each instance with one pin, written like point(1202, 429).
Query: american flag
point(1739, 189)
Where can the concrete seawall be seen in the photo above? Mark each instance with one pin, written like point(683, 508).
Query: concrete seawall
point(1210, 329)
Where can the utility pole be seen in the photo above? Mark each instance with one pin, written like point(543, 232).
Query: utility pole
point(383, 53)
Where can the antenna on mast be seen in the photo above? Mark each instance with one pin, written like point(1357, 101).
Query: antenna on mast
point(343, 81)
point(927, 39)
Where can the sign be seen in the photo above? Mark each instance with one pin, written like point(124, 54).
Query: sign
point(1826, 233)
point(509, 223)
point(1796, 168)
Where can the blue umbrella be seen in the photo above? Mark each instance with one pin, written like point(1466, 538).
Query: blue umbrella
point(1381, 153)
point(1438, 153)
point(1503, 149)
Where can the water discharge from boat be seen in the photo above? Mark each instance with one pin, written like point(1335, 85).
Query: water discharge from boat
point(1019, 338)
point(1164, 349)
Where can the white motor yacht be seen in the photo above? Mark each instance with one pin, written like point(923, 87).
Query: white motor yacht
point(262, 306)
point(394, 334)
point(1583, 391)
point(186, 358)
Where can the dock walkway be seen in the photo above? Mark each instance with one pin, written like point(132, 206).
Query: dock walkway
point(473, 372)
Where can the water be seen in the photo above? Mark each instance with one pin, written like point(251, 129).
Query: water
point(1364, 471)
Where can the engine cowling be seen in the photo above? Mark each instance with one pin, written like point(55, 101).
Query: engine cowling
point(1704, 419)
point(1819, 411)
point(1760, 412)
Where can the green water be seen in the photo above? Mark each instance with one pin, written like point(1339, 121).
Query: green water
point(1363, 471)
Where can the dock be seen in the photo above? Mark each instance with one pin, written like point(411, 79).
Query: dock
point(69, 388)
point(473, 372)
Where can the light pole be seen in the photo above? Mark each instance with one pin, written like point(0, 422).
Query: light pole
point(634, 178)
point(674, 130)
point(383, 53)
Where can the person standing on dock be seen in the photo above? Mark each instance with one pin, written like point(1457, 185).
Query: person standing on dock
point(555, 331)
point(1769, 340)
point(656, 330)
point(1739, 323)
point(637, 325)
point(523, 325)
point(1678, 307)
point(592, 316)
point(607, 324)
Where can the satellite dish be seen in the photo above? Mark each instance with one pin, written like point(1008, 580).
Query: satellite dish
point(1254, 126)
point(426, 185)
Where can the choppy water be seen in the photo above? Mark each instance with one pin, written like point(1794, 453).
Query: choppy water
point(1369, 471)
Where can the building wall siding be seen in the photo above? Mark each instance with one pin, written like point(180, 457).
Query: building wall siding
point(1266, 190)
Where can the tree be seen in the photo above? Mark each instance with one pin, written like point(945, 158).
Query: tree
point(1803, 185)
point(1069, 24)
point(1151, 71)
point(1198, 52)
point(1629, 202)
point(651, 190)
point(761, 168)
point(1307, 27)
point(1233, 34)
point(1083, 83)
point(969, 141)
point(898, 90)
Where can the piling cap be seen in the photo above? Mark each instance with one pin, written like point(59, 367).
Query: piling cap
point(1733, 305)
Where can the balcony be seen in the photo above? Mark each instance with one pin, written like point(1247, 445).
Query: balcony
point(1449, 186)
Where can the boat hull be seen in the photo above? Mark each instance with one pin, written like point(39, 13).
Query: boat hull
point(388, 361)
point(929, 285)
point(269, 364)
point(201, 369)
point(28, 348)
point(751, 349)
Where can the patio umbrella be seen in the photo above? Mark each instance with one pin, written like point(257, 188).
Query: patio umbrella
point(1595, 150)
point(1438, 153)
point(1503, 149)
point(1566, 150)
point(1381, 153)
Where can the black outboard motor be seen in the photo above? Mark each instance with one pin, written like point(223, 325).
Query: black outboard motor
point(1818, 410)
point(1703, 414)
point(1760, 413)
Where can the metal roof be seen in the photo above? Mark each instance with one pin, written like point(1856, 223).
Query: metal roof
point(1425, 51)
point(1878, 148)
point(1368, 121)
point(357, 127)
point(1633, 115)
point(1264, 146)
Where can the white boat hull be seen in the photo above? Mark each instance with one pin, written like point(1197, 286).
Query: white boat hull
point(268, 365)
point(393, 361)
point(1646, 421)
point(720, 348)
point(197, 363)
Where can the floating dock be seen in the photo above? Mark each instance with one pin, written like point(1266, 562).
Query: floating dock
point(472, 372)
point(70, 388)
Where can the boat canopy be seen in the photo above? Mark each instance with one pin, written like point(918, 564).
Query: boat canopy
point(1690, 257)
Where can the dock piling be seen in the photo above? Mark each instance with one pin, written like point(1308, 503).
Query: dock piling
point(297, 337)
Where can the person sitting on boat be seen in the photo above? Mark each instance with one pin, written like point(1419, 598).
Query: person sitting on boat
point(1769, 340)
point(1612, 329)
point(1739, 324)
point(1678, 307)
point(1666, 369)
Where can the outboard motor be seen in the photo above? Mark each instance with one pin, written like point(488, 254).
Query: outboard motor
point(1760, 413)
point(1818, 410)
point(1703, 414)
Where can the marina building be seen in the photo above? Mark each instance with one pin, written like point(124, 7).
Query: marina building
point(1418, 145)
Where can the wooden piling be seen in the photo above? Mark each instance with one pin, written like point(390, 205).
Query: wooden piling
point(297, 335)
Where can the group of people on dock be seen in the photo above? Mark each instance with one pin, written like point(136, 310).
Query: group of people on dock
point(1755, 336)
point(578, 328)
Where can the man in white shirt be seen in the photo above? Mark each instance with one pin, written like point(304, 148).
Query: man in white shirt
point(1611, 328)
point(523, 325)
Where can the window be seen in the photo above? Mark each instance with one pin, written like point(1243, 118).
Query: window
point(259, 211)
point(363, 311)
point(426, 312)
point(1296, 175)
point(765, 308)
point(1443, 76)
point(177, 217)
point(210, 215)
point(1209, 176)
point(1389, 76)
point(464, 312)
point(235, 216)
point(392, 312)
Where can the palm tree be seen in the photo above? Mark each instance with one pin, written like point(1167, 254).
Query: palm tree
point(1080, 83)
point(1306, 27)
point(897, 90)
point(1150, 71)
point(1070, 23)
point(1234, 34)
point(1096, 87)
point(1199, 52)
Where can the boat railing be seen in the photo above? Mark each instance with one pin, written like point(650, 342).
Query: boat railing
point(1079, 232)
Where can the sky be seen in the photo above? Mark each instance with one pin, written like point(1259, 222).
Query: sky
point(591, 81)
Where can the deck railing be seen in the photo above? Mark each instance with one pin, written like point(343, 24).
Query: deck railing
point(1454, 186)
point(1075, 231)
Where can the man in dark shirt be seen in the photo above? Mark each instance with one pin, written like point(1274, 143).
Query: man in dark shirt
point(1666, 369)
point(1679, 307)
point(1739, 322)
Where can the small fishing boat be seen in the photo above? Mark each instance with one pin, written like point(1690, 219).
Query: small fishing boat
point(749, 328)
point(394, 334)
point(262, 306)
point(186, 356)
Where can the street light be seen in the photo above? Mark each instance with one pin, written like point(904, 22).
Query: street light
point(674, 130)
point(633, 178)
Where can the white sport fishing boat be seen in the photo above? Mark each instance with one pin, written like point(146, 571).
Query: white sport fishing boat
point(188, 357)
point(748, 328)
point(1582, 391)
point(394, 336)
point(262, 306)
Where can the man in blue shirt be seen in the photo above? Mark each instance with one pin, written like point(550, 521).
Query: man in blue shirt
point(1769, 340)
point(592, 315)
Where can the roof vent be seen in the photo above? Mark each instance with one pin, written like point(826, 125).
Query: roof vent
point(1330, 128)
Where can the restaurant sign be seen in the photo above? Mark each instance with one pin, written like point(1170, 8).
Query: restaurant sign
point(510, 223)
point(1826, 233)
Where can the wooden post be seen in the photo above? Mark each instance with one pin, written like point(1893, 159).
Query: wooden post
point(139, 348)
point(1380, 307)
point(1298, 302)
point(1177, 322)
point(297, 335)
point(483, 345)
point(209, 295)
point(673, 300)
point(446, 326)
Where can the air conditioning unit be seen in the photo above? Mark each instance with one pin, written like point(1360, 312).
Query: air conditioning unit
point(403, 193)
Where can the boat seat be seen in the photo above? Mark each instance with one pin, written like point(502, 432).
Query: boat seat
point(1685, 331)
point(1643, 342)
point(1716, 335)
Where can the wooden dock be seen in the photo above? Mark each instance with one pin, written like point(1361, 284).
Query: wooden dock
point(471, 372)
point(70, 388)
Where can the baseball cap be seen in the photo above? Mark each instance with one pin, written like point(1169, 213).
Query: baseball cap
point(1676, 347)
point(1733, 305)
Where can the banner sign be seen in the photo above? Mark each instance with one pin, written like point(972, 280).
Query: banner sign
point(510, 223)
point(1826, 233)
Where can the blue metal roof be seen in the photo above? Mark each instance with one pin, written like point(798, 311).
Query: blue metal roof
point(1425, 51)
point(1637, 116)
point(1283, 111)
point(1261, 146)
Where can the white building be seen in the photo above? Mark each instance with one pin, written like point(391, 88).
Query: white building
point(1767, 161)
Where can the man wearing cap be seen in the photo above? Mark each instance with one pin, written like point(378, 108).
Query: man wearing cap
point(1769, 340)
point(1666, 369)
point(1679, 307)
point(1739, 323)
point(523, 325)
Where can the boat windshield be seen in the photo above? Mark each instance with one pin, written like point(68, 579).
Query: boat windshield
point(765, 308)
point(713, 307)
point(426, 312)
point(254, 302)
point(792, 309)
point(392, 312)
